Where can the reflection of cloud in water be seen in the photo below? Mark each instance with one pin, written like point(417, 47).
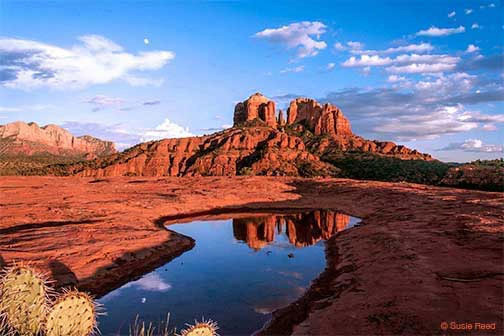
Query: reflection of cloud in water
point(151, 282)
point(295, 275)
point(269, 307)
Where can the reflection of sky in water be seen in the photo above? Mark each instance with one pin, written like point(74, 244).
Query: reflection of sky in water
point(236, 275)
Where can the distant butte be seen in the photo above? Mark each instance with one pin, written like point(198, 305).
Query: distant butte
point(261, 142)
point(27, 139)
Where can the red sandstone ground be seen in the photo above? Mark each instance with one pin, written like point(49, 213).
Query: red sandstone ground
point(423, 254)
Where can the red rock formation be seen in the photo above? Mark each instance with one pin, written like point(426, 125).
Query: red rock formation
point(281, 119)
point(250, 148)
point(302, 229)
point(326, 119)
point(256, 106)
point(28, 139)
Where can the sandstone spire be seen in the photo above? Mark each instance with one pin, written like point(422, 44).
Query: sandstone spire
point(256, 106)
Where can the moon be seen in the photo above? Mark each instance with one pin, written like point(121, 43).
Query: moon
point(146, 40)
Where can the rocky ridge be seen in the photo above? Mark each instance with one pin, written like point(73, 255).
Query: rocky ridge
point(19, 138)
point(261, 142)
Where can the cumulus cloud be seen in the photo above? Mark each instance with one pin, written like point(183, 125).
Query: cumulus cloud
point(435, 31)
point(295, 69)
point(413, 63)
point(474, 145)
point(167, 129)
point(395, 78)
point(330, 66)
point(366, 60)
point(413, 48)
point(94, 60)
point(304, 36)
point(423, 110)
point(468, 11)
point(452, 14)
point(442, 120)
point(472, 48)
point(475, 26)
point(421, 68)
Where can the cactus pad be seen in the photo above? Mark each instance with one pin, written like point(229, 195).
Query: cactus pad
point(203, 328)
point(73, 314)
point(23, 297)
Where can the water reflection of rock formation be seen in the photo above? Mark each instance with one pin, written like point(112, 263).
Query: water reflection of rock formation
point(302, 229)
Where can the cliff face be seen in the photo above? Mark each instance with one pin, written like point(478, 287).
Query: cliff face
point(19, 138)
point(252, 150)
point(261, 142)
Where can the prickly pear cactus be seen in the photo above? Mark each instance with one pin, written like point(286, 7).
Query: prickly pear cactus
point(73, 314)
point(23, 299)
point(203, 328)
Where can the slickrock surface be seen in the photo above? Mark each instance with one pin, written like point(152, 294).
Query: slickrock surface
point(28, 139)
point(422, 255)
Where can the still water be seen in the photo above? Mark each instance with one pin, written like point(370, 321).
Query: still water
point(239, 271)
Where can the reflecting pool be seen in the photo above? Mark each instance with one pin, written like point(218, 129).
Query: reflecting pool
point(239, 271)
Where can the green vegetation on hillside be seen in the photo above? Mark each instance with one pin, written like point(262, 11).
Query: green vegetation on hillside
point(364, 166)
point(32, 165)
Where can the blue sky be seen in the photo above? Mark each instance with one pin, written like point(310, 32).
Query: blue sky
point(427, 74)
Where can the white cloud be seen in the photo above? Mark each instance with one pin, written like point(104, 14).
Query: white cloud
point(435, 31)
point(452, 14)
point(366, 60)
point(96, 60)
point(355, 45)
point(167, 129)
point(419, 48)
point(443, 120)
point(475, 26)
point(468, 11)
point(459, 82)
point(295, 69)
point(339, 46)
point(330, 66)
point(297, 35)
point(489, 127)
point(416, 48)
point(413, 63)
point(475, 145)
point(492, 5)
point(395, 78)
point(472, 48)
point(421, 68)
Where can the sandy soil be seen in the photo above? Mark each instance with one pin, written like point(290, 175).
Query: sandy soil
point(421, 256)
